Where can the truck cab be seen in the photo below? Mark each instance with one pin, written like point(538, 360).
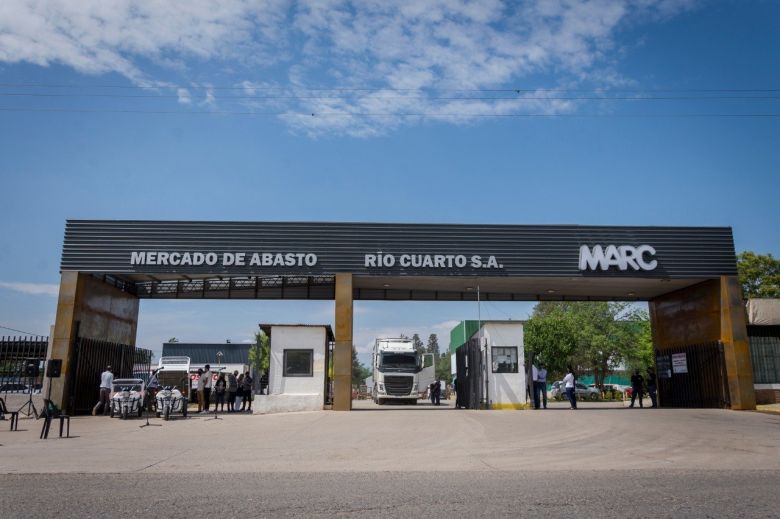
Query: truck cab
point(400, 373)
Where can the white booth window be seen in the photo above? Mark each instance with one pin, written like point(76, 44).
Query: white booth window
point(298, 363)
point(504, 359)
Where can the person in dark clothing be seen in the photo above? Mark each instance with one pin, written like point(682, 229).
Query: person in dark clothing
point(220, 387)
point(458, 400)
point(637, 388)
point(232, 388)
point(430, 392)
point(652, 387)
point(437, 393)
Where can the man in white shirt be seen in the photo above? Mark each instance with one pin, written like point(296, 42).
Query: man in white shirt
point(206, 377)
point(568, 383)
point(106, 381)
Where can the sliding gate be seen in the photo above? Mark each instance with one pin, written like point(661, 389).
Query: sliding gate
point(470, 383)
point(692, 376)
point(90, 360)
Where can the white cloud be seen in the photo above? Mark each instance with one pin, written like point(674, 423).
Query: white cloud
point(32, 288)
point(428, 46)
point(183, 96)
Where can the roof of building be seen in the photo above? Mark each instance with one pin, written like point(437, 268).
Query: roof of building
point(328, 331)
point(206, 353)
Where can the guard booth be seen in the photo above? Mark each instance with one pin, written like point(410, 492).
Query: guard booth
point(297, 369)
point(490, 367)
point(687, 275)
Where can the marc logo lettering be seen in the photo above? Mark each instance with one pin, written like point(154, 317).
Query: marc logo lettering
point(622, 257)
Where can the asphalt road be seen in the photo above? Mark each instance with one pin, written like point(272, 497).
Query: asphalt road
point(605, 494)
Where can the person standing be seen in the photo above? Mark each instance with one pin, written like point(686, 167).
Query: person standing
point(458, 399)
point(247, 386)
point(568, 384)
point(232, 387)
point(220, 388)
point(201, 385)
point(207, 384)
point(637, 385)
point(240, 392)
point(437, 393)
point(652, 387)
point(535, 385)
point(106, 381)
point(541, 379)
point(430, 392)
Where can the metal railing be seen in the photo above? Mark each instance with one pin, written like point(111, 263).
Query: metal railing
point(692, 376)
point(16, 354)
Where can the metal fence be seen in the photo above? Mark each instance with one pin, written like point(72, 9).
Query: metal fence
point(692, 376)
point(470, 375)
point(89, 360)
point(765, 353)
point(16, 353)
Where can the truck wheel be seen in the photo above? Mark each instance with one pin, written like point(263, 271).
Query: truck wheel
point(594, 396)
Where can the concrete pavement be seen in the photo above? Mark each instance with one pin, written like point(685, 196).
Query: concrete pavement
point(600, 461)
point(392, 438)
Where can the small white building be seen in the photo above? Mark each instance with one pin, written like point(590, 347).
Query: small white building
point(502, 358)
point(298, 368)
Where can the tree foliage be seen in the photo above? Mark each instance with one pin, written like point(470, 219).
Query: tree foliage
point(418, 343)
point(759, 275)
point(591, 337)
point(260, 353)
point(359, 372)
point(433, 345)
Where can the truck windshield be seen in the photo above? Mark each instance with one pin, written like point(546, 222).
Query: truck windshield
point(399, 361)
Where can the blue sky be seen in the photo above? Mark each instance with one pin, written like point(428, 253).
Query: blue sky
point(86, 144)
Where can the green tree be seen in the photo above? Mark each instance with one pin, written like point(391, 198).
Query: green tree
point(443, 367)
point(433, 345)
point(591, 337)
point(259, 353)
point(359, 372)
point(759, 275)
point(418, 343)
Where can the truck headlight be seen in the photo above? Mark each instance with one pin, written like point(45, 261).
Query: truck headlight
point(381, 388)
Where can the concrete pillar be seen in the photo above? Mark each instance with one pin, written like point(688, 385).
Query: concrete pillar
point(342, 350)
point(708, 312)
point(736, 349)
point(90, 308)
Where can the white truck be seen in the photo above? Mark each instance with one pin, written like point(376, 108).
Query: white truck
point(401, 374)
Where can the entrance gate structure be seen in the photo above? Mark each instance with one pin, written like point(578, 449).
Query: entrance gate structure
point(687, 274)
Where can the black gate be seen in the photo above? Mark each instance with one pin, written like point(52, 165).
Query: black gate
point(89, 360)
point(692, 376)
point(469, 376)
point(21, 363)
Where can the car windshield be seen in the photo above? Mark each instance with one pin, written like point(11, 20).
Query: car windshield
point(398, 361)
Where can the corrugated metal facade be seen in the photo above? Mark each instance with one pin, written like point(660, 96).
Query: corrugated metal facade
point(522, 250)
point(201, 353)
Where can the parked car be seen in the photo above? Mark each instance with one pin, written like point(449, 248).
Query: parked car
point(581, 391)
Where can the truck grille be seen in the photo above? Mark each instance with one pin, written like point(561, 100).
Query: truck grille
point(398, 386)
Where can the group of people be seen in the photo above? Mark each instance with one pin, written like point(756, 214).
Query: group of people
point(638, 384)
point(234, 387)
